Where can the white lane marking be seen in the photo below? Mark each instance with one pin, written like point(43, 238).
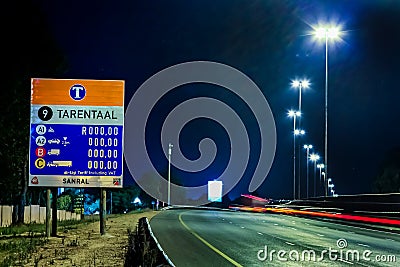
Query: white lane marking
point(230, 222)
point(289, 243)
point(263, 221)
point(293, 228)
point(319, 235)
point(293, 222)
point(351, 226)
point(372, 230)
point(260, 233)
point(276, 224)
point(363, 245)
point(348, 262)
point(242, 227)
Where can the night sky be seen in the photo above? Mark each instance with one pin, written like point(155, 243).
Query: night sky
point(270, 42)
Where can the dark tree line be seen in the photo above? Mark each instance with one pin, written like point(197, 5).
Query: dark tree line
point(29, 51)
point(388, 180)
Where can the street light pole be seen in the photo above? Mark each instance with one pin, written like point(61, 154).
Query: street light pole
point(326, 33)
point(320, 167)
point(307, 147)
point(326, 105)
point(300, 85)
point(169, 172)
point(294, 157)
point(314, 157)
point(299, 132)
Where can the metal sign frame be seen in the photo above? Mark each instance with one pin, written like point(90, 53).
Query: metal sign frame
point(76, 133)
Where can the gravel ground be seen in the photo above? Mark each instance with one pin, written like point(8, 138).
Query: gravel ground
point(83, 245)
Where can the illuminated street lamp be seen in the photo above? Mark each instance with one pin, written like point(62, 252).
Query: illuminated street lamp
point(294, 114)
point(300, 84)
point(333, 191)
point(331, 186)
point(320, 167)
point(314, 157)
point(307, 147)
point(327, 33)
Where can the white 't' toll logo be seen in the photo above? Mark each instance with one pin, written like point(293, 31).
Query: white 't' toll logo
point(77, 92)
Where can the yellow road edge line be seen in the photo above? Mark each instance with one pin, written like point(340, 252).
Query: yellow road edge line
point(219, 252)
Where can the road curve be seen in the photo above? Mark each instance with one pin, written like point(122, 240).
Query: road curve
point(200, 237)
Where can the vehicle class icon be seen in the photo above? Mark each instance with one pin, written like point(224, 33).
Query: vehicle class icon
point(77, 92)
point(40, 163)
point(63, 163)
point(40, 140)
point(54, 151)
point(41, 129)
point(54, 141)
point(51, 164)
point(40, 152)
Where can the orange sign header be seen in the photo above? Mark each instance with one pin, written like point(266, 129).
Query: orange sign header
point(77, 92)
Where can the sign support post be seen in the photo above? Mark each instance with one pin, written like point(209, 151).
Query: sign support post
point(48, 212)
point(103, 198)
point(54, 212)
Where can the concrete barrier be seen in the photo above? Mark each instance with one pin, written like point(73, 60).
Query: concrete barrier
point(144, 249)
point(61, 215)
point(27, 214)
point(33, 214)
point(42, 214)
point(6, 215)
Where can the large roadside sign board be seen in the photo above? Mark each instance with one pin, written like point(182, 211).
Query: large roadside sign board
point(76, 133)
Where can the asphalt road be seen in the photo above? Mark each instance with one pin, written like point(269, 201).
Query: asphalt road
point(195, 237)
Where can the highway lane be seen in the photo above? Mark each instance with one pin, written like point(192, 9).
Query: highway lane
point(198, 237)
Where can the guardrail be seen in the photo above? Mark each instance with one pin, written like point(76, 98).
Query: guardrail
point(144, 249)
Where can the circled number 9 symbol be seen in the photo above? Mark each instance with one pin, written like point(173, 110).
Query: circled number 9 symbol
point(45, 113)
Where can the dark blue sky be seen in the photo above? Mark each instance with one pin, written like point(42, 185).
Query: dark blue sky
point(267, 40)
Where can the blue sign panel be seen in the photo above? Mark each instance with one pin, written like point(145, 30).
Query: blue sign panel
point(77, 150)
point(76, 133)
